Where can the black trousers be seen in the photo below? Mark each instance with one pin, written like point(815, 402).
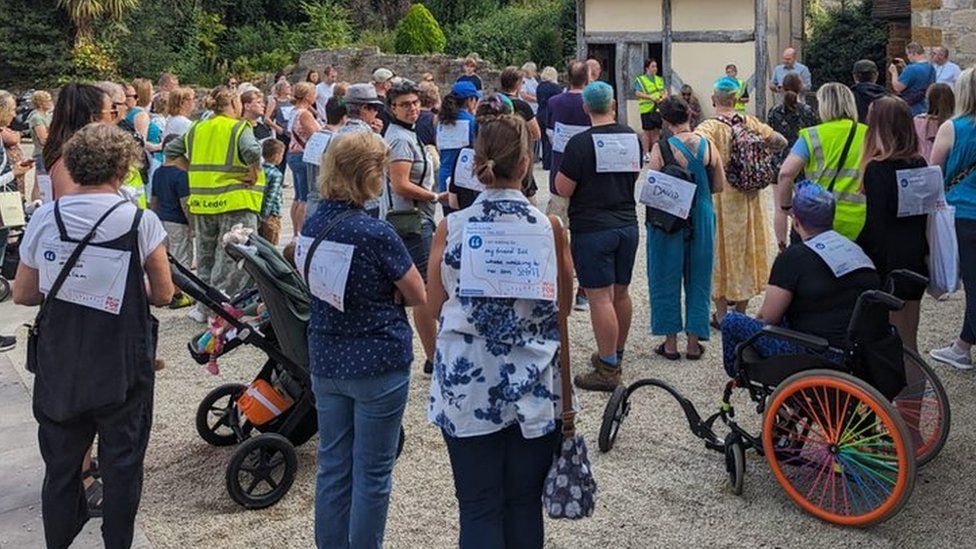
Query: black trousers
point(123, 434)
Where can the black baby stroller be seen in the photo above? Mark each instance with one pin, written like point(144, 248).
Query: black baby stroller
point(263, 467)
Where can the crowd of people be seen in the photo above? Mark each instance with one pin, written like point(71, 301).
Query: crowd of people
point(420, 186)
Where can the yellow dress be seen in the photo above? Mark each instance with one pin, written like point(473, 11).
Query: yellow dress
point(744, 237)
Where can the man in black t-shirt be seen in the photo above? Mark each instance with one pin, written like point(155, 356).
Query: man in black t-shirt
point(598, 174)
point(511, 82)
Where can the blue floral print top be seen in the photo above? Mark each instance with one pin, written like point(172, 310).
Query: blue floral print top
point(497, 360)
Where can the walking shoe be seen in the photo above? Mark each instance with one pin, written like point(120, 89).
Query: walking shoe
point(180, 301)
point(604, 377)
point(948, 355)
point(196, 315)
point(582, 302)
point(7, 343)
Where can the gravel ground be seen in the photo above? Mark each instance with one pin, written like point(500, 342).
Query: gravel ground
point(658, 487)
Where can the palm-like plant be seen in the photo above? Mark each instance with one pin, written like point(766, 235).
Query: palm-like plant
point(83, 12)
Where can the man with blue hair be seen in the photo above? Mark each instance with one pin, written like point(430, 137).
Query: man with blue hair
point(813, 286)
point(598, 174)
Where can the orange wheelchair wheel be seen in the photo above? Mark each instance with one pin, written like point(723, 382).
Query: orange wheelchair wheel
point(838, 448)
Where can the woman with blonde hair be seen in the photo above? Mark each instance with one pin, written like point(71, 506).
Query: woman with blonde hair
point(496, 389)
point(360, 344)
point(39, 123)
point(829, 155)
point(179, 107)
point(955, 151)
point(301, 126)
point(893, 242)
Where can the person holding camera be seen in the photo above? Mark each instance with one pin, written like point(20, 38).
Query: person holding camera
point(914, 79)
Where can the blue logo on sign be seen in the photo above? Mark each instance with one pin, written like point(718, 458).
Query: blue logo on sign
point(475, 242)
point(50, 256)
point(904, 183)
point(651, 180)
point(819, 245)
point(599, 143)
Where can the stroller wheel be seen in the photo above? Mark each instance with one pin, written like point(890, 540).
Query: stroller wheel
point(261, 471)
point(857, 464)
point(4, 289)
point(218, 420)
point(613, 416)
point(735, 462)
point(401, 442)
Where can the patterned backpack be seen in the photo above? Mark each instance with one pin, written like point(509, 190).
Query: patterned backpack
point(751, 166)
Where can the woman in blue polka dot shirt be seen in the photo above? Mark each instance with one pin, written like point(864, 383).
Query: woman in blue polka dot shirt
point(360, 343)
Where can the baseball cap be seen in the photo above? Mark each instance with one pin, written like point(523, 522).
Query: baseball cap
point(363, 94)
point(381, 75)
point(465, 90)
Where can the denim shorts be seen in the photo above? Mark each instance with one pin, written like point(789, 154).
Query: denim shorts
point(299, 175)
point(604, 258)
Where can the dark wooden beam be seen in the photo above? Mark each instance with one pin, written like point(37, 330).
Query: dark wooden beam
point(580, 29)
point(613, 37)
point(622, 87)
point(666, 43)
point(762, 60)
point(725, 36)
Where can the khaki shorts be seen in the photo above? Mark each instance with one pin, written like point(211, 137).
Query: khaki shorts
point(270, 229)
point(559, 207)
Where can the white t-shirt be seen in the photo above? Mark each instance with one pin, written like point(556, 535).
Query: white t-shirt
point(323, 92)
point(176, 125)
point(79, 212)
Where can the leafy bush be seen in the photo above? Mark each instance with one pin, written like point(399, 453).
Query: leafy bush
point(418, 32)
point(384, 40)
point(513, 35)
point(455, 12)
point(838, 37)
point(35, 44)
point(327, 26)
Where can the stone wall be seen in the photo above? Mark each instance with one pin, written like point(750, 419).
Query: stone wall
point(951, 23)
point(357, 65)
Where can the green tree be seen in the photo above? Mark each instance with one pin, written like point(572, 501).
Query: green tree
point(418, 32)
point(83, 13)
point(837, 37)
point(35, 47)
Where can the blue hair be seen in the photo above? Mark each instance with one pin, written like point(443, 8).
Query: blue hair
point(598, 97)
point(813, 207)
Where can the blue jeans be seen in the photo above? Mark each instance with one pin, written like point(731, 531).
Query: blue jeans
point(299, 175)
point(498, 481)
point(418, 246)
point(359, 428)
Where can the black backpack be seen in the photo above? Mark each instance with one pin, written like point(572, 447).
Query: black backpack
point(661, 219)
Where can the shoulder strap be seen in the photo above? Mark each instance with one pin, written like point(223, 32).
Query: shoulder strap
point(564, 294)
point(667, 154)
point(843, 155)
point(322, 236)
point(70, 263)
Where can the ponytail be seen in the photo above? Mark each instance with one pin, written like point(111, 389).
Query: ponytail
point(501, 146)
point(790, 100)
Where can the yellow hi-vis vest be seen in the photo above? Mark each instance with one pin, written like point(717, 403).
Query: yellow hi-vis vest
point(825, 144)
point(743, 89)
point(216, 171)
point(134, 180)
point(653, 88)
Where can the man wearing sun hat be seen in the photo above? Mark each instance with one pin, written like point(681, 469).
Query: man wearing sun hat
point(363, 107)
point(383, 80)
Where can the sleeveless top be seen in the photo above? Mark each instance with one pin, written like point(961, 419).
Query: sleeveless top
point(298, 135)
point(497, 360)
point(702, 207)
point(961, 158)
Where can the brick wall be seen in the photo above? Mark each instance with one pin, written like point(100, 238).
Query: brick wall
point(951, 23)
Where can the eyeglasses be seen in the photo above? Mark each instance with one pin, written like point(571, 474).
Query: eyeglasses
point(132, 96)
point(408, 104)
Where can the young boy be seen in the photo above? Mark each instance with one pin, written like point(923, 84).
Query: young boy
point(273, 151)
point(170, 191)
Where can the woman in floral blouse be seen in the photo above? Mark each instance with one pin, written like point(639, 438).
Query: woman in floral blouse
point(495, 392)
point(792, 116)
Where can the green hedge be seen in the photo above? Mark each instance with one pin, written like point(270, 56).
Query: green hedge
point(418, 32)
point(518, 33)
point(838, 37)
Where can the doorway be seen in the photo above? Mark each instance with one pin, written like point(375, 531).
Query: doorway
point(606, 54)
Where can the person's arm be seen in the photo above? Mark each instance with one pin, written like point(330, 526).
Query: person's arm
point(308, 122)
point(269, 110)
point(657, 161)
point(898, 83)
point(564, 270)
point(436, 294)
point(141, 123)
point(26, 290)
point(161, 287)
point(718, 180)
point(944, 141)
point(564, 185)
point(401, 184)
point(776, 142)
point(249, 150)
point(774, 305)
point(535, 133)
point(773, 83)
point(805, 77)
point(639, 90)
point(41, 132)
point(783, 195)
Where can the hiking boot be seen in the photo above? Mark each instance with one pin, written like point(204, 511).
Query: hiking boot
point(604, 377)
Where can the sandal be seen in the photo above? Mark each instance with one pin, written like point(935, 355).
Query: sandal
point(701, 351)
point(93, 495)
point(715, 323)
point(660, 350)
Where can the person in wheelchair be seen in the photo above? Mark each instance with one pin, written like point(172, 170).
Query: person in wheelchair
point(813, 286)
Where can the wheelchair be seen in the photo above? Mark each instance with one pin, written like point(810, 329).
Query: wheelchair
point(843, 438)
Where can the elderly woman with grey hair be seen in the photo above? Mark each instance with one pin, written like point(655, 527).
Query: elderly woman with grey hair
point(807, 291)
point(548, 88)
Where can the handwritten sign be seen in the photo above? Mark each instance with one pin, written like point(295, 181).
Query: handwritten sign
point(315, 147)
point(616, 152)
point(97, 279)
point(329, 270)
point(839, 253)
point(562, 133)
point(454, 136)
point(508, 260)
point(667, 193)
point(920, 191)
point(464, 172)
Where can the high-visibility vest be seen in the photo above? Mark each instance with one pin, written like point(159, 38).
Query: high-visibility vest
point(825, 144)
point(654, 88)
point(743, 87)
point(215, 171)
point(134, 180)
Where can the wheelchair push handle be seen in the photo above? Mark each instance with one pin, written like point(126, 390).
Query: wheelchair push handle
point(900, 277)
